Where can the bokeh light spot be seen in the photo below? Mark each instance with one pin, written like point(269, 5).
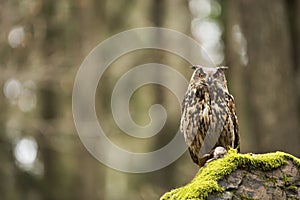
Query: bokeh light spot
point(12, 89)
point(16, 36)
point(26, 151)
point(27, 100)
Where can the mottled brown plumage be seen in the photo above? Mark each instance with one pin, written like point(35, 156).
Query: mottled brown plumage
point(208, 114)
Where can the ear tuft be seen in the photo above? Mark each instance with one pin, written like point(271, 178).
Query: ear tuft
point(223, 68)
point(194, 67)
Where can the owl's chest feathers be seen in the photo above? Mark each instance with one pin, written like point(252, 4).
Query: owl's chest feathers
point(211, 101)
point(207, 106)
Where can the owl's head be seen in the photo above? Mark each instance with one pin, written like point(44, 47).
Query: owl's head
point(211, 77)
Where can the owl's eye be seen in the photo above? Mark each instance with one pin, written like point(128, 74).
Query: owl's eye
point(201, 75)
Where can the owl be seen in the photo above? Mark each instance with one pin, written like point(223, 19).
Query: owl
point(208, 118)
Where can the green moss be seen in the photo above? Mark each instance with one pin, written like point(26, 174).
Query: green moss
point(206, 180)
point(292, 188)
point(286, 179)
point(245, 197)
point(270, 180)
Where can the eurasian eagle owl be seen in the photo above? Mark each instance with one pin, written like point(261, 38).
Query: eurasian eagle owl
point(208, 114)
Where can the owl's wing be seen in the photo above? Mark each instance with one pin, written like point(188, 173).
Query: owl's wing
point(233, 116)
point(195, 115)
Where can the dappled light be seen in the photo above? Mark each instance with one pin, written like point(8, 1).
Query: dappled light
point(16, 36)
point(26, 152)
point(27, 100)
point(21, 94)
point(240, 44)
point(206, 29)
point(12, 89)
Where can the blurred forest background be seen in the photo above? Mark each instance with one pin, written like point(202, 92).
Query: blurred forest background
point(43, 43)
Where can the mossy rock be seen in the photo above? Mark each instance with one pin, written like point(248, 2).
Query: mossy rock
point(211, 182)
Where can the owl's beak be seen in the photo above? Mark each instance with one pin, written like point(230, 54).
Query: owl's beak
point(209, 80)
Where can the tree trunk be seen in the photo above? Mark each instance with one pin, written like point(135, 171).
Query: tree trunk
point(7, 167)
point(268, 80)
point(294, 10)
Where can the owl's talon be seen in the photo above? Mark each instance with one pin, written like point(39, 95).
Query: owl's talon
point(208, 161)
point(218, 152)
point(253, 154)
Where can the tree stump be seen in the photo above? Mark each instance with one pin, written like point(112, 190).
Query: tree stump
point(244, 176)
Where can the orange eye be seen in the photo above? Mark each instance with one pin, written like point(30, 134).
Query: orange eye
point(201, 75)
